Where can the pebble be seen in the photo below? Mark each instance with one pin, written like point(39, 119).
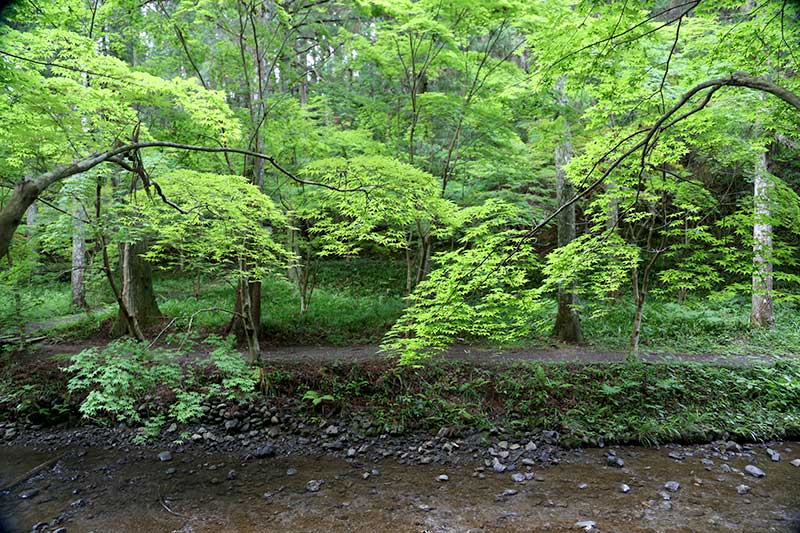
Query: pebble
point(624, 489)
point(583, 486)
point(60, 530)
point(742, 489)
point(332, 430)
point(170, 471)
point(613, 460)
point(519, 477)
point(754, 471)
point(442, 477)
point(231, 475)
point(672, 486)
point(291, 471)
point(351, 452)
point(508, 492)
point(314, 485)
point(586, 525)
point(796, 463)
point(498, 467)
point(165, 456)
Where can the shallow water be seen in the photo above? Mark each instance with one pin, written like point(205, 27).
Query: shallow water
point(101, 490)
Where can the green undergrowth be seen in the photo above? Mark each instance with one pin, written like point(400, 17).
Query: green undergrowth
point(634, 402)
point(587, 404)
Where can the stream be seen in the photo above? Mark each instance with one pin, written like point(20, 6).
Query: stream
point(120, 490)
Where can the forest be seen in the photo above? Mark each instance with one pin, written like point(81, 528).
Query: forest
point(483, 235)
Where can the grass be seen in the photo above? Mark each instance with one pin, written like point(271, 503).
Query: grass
point(358, 300)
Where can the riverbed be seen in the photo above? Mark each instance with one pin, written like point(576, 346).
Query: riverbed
point(133, 489)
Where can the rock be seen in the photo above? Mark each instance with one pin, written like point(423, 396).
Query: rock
point(197, 437)
point(672, 486)
point(519, 477)
point(528, 462)
point(170, 471)
point(613, 460)
point(10, 433)
point(796, 463)
point(231, 425)
point(351, 452)
point(40, 526)
point(677, 456)
point(586, 525)
point(530, 447)
point(742, 490)
point(754, 471)
point(60, 530)
point(274, 421)
point(332, 430)
point(172, 428)
point(375, 472)
point(165, 456)
point(503, 444)
point(231, 475)
point(28, 494)
point(314, 485)
point(726, 468)
point(267, 450)
point(497, 466)
point(731, 446)
point(624, 489)
point(291, 471)
point(775, 456)
point(508, 492)
point(442, 477)
point(583, 486)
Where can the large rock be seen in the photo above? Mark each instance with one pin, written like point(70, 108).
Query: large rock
point(267, 450)
point(754, 471)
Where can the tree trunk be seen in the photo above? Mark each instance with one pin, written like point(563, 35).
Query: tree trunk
point(568, 326)
point(78, 260)
point(246, 322)
point(31, 216)
point(761, 314)
point(137, 289)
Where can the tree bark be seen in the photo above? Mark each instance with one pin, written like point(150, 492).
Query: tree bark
point(568, 326)
point(137, 289)
point(761, 314)
point(246, 322)
point(78, 260)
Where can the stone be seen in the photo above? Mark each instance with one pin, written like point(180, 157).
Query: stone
point(267, 450)
point(742, 490)
point(332, 430)
point(583, 486)
point(586, 525)
point(677, 456)
point(731, 446)
point(508, 492)
point(503, 444)
point(530, 447)
point(60, 530)
point(613, 460)
point(165, 456)
point(796, 463)
point(197, 437)
point(28, 494)
point(291, 471)
point(172, 428)
point(519, 477)
point(442, 477)
point(672, 486)
point(10, 433)
point(351, 452)
point(624, 489)
point(170, 471)
point(231, 475)
point(773, 455)
point(314, 485)
point(231, 425)
point(754, 471)
point(498, 467)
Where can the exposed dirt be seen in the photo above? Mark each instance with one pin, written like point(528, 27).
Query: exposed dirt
point(130, 489)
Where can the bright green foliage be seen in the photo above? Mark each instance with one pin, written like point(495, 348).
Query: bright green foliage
point(126, 373)
point(226, 223)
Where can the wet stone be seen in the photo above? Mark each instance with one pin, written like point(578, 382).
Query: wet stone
point(442, 477)
point(624, 489)
point(291, 471)
point(28, 494)
point(268, 450)
point(165, 456)
point(754, 471)
point(672, 486)
point(796, 463)
point(742, 490)
point(314, 485)
point(586, 525)
point(519, 477)
point(773, 455)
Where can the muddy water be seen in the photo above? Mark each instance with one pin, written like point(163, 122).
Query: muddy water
point(100, 490)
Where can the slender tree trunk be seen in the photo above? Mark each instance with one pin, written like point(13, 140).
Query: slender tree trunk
point(246, 322)
point(568, 326)
point(761, 314)
point(31, 218)
point(78, 260)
